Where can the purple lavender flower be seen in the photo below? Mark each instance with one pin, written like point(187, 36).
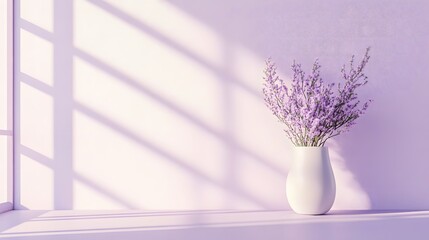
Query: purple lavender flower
point(310, 109)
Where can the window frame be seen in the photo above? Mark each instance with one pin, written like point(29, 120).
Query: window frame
point(7, 33)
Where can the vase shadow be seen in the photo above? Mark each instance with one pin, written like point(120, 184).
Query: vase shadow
point(368, 212)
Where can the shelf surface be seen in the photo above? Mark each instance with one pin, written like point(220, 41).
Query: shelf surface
point(212, 224)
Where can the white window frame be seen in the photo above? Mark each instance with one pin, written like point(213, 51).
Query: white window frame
point(6, 53)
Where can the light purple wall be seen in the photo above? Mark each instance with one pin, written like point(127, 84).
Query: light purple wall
point(157, 105)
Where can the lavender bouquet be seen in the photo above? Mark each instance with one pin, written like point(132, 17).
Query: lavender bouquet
point(312, 110)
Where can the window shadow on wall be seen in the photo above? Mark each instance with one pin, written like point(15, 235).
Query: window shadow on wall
point(64, 105)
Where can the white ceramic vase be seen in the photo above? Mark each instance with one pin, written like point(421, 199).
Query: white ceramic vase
point(310, 185)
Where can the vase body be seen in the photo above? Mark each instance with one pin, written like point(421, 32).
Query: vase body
point(310, 184)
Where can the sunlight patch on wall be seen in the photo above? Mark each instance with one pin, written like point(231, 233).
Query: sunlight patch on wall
point(40, 13)
point(148, 63)
point(186, 31)
point(40, 195)
point(255, 179)
point(125, 160)
point(4, 104)
point(116, 162)
point(86, 197)
point(36, 120)
point(36, 57)
point(141, 109)
point(4, 155)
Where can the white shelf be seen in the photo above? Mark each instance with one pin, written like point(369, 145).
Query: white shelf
point(270, 225)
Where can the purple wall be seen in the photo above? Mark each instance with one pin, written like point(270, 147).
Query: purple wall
point(381, 164)
point(386, 150)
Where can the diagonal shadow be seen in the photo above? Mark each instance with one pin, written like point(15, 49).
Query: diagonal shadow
point(33, 28)
point(179, 111)
point(136, 85)
point(45, 160)
point(30, 81)
point(173, 159)
point(48, 162)
point(170, 43)
point(227, 140)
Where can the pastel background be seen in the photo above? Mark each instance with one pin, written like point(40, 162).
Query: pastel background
point(157, 104)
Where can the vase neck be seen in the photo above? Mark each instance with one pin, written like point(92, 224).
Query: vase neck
point(310, 156)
